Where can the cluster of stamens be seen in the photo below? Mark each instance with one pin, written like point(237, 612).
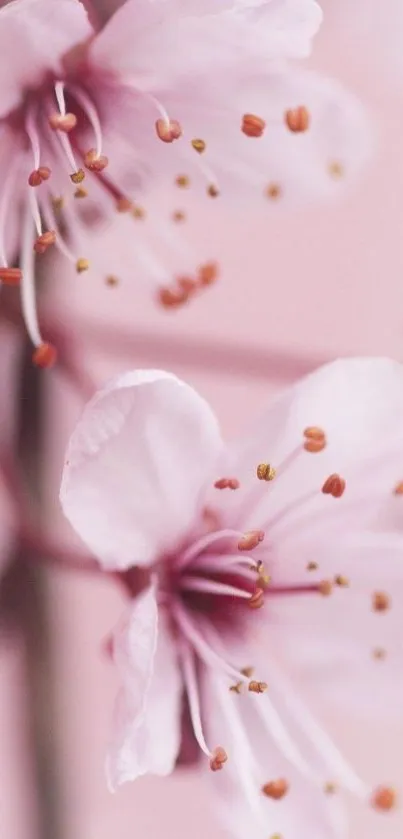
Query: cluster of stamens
point(186, 287)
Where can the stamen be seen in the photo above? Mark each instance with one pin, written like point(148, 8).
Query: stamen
point(95, 162)
point(178, 216)
point(250, 540)
point(398, 490)
point(203, 648)
point(384, 798)
point(35, 212)
point(10, 276)
point(257, 687)
point(168, 130)
point(342, 581)
point(78, 175)
point(207, 273)
point(380, 601)
point(336, 170)
point(276, 789)
point(205, 542)
point(63, 122)
point(237, 688)
point(182, 181)
point(124, 205)
point(252, 125)
point(37, 176)
point(80, 192)
point(213, 191)
point(218, 756)
point(44, 354)
point(5, 198)
point(273, 191)
point(315, 439)
point(172, 298)
point(227, 483)
point(256, 600)
point(91, 113)
point(325, 588)
point(297, 119)
point(212, 587)
point(312, 566)
point(80, 263)
point(265, 472)
point(44, 241)
point(199, 145)
point(334, 485)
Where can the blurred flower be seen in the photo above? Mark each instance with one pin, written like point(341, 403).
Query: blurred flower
point(216, 548)
point(184, 91)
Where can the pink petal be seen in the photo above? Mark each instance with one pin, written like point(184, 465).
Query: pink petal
point(34, 37)
point(172, 41)
point(136, 466)
point(146, 735)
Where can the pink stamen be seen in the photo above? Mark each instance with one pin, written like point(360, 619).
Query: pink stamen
point(91, 113)
point(62, 137)
point(205, 542)
point(5, 198)
point(212, 587)
point(28, 299)
point(217, 756)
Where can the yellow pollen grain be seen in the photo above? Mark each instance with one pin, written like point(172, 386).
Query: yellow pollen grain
point(199, 145)
point(82, 265)
point(312, 566)
point(182, 181)
point(81, 192)
point(336, 169)
point(265, 472)
point(77, 177)
point(178, 216)
point(111, 280)
point(138, 212)
point(341, 581)
point(58, 203)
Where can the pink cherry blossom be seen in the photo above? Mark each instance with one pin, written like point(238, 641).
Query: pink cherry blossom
point(237, 560)
point(160, 93)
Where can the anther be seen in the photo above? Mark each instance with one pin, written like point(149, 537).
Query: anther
point(315, 439)
point(77, 177)
point(248, 672)
point(256, 600)
point(398, 490)
point(95, 162)
point(334, 485)
point(199, 145)
point(257, 687)
point(124, 205)
point(237, 688)
point(111, 280)
point(273, 191)
point(168, 131)
point(63, 122)
point(172, 298)
point(379, 653)
point(82, 265)
point(37, 176)
point(380, 601)
point(182, 181)
point(207, 273)
point(227, 483)
point(218, 758)
point(250, 540)
point(297, 119)
point(276, 789)
point(325, 587)
point(265, 472)
point(43, 242)
point(178, 216)
point(138, 212)
point(10, 276)
point(384, 798)
point(58, 203)
point(330, 788)
point(44, 356)
point(341, 581)
point(213, 191)
point(252, 125)
point(336, 170)
point(312, 566)
point(80, 192)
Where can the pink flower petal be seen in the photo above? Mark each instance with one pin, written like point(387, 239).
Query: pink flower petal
point(173, 41)
point(34, 37)
point(147, 719)
point(136, 466)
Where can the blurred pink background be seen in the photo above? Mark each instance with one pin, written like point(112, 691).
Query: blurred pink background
point(295, 290)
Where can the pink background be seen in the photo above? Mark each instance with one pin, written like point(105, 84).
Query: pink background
point(296, 290)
